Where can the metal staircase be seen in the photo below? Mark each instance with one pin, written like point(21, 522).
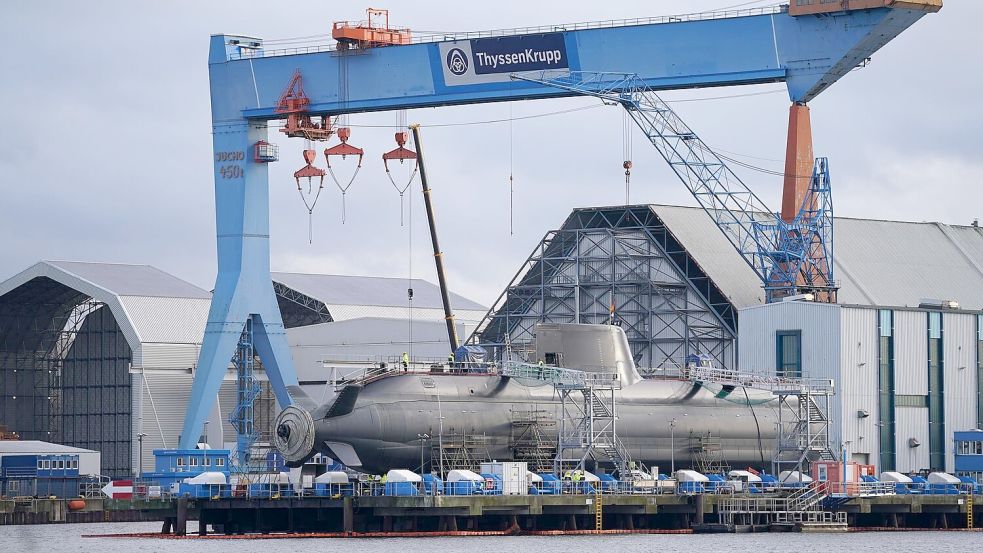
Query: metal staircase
point(803, 506)
point(588, 424)
point(803, 422)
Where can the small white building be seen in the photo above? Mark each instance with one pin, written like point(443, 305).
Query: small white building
point(89, 460)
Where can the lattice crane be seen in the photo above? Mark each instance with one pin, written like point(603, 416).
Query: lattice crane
point(790, 257)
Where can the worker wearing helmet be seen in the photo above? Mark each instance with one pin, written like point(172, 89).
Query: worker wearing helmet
point(406, 361)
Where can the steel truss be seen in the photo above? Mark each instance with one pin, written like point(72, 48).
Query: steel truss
point(64, 372)
point(300, 309)
point(624, 256)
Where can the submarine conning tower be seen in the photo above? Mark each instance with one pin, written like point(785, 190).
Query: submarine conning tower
point(595, 348)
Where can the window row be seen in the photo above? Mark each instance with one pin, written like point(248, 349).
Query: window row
point(206, 461)
point(58, 464)
point(969, 448)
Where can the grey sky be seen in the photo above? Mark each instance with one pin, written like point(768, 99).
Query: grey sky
point(106, 154)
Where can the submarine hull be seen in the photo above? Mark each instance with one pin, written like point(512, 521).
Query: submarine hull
point(380, 429)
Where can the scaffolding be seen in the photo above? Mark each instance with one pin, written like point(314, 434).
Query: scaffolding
point(588, 415)
point(531, 439)
point(615, 266)
point(708, 454)
point(803, 429)
point(460, 450)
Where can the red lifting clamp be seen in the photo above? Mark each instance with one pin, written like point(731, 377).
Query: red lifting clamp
point(402, 153)
point(310, 172)
point(344, 150)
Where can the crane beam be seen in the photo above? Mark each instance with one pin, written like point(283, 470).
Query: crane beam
point(808, 53)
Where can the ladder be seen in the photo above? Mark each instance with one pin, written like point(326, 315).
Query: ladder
point(969, 510)
point(599, 511)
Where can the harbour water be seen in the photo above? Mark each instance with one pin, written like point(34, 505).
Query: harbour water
point(50, 538)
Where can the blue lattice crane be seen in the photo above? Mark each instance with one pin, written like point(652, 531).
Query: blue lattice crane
point(790, 257)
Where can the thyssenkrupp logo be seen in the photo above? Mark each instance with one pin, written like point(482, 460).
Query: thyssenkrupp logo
point(457, 61)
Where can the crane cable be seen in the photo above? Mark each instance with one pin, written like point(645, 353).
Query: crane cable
point(626, 124)
point(511, 174)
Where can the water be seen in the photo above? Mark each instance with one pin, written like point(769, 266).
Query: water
point(51, 538)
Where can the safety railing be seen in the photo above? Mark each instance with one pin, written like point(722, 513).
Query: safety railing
point(247, 53)
point(735, 496)
point(560, 377)
point(760, 381)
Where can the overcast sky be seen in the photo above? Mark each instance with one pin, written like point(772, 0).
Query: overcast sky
point(106, 151)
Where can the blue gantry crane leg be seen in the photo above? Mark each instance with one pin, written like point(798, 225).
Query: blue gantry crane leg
point(243, 287)
point(807, 52)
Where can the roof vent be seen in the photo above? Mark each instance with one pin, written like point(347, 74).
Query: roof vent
point(931, 303)
point(800, 297)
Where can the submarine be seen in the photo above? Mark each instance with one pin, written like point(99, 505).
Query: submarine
point(377, 422)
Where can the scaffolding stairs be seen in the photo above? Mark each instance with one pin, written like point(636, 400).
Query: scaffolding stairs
point(802, 506)
point(803, 423)
point(588, 426)
point(707, 452)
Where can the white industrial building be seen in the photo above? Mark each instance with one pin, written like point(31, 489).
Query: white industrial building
point(904, 345)
point(370, 322)
point(102, 355)
point(906, 378)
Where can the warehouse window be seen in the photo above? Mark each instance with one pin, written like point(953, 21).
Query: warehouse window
point(194, 461)
point(979, 371)
point(886, 398)
point(789, 350)
point(936, 391)
point(220, 462)
point(910, 401)
point(39, 464)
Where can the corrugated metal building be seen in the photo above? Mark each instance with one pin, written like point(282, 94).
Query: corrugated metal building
point(370, 322)
point(906, 378)
point(908, 373)
point(95, 354)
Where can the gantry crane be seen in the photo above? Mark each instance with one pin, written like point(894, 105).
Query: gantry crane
point(808, 46)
